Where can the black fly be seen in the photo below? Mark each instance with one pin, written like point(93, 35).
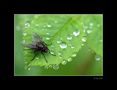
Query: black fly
point(38, 45)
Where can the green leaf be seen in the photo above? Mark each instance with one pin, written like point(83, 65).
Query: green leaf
point(62, 34)
point(95, 39)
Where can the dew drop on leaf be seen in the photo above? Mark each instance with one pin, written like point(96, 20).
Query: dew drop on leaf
point(74, 55)
point(24, 34)
point(97, 58)
point(55, 66)
point(89, 31)
point(47, 38)
point(64, 62)
point(76, 33)
point(69, 59)
point(84, 39)
point(49, 25)
point(27, 25)
point(63, 45)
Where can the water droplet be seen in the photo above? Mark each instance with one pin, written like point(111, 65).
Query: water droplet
point(17, 28)
point(52, 52)
point(69, 59)
point(98, 25)
point(37, 58)
point(47, 38)
point(85, 27)
point(91, 24)
point(23, 42)
point(46, 67)
point(97, 58)
point(29, 68)
point(48, 33)
point(72, 46)
point(24, 34)
point(49, 25)
point(101, 40)
point(74, 55)
point(63, 45)
point(82, 44)
point(50, 66)
point(27, 25)
point(69, 38)
point(55, 21)
point(89, 31)
point(37, 25)
point(64, 62)
point(55, 67)
point(76, 33)
point(58, 41)
point(84, 39)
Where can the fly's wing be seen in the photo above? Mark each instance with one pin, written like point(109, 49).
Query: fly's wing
point(32, 46)
point(36, 38)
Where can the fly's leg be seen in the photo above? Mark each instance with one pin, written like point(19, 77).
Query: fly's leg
point(34, 55)
point(44, 57)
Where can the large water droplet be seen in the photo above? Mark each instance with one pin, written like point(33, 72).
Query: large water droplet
point(76, 33)
point(64, 62)
point(27, 25)
point(69, 59)
point(63, 45)
point(24, 34)
point(84, 39)
point(97, 58)
point(55, 67)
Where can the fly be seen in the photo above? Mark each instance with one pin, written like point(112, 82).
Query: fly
point(38, 45)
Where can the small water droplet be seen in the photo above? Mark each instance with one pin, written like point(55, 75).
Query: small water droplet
point(64, 62)
point(69, 59)
point(89, 31)
point(98, 25)
point(72, 46)
point(101, 40)
point(76, 33)
point(46, 67)
point(29, 68)
point(63, 45)
point(49, 25)
point(52, 52)
point(69, 38)
point(47, 38)
point(48, 33)
point(37, 58)
point(24, 34)
point(27, 25)
point(97, 58)
point(17, 28)
point(55, 21)
point(74, 55)
point(50, 66)
point(58, 41)
point(82, 44)
point(55, 67)
point(23, 42)
point(37, 25)
point(85, 27)
point(91, 24)
point(84, 39)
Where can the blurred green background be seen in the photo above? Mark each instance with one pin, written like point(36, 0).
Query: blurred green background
point(86, 63)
